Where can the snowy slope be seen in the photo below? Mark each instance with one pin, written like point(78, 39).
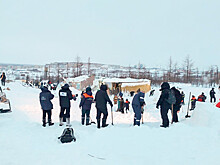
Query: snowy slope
point(191, 141)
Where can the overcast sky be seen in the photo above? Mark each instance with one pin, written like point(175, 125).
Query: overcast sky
point(110, 31)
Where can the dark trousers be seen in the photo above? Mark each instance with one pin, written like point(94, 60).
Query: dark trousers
point(137, 114)
point(66, 111)
point(100, 112)
point(175, 110)
point(48, 113)
point(164, 116)
point(193, 105)
point(3, 83)
point(212, 98)
point(85, 112)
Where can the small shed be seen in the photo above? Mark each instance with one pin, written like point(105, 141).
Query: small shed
point(117, 85)
point(80, 82)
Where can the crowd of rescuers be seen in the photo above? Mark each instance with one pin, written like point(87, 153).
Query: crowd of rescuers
point(101, 99)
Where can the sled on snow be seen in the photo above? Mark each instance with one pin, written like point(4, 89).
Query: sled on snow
point(5, 105)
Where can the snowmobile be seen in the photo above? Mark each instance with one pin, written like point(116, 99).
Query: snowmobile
point(5, 105)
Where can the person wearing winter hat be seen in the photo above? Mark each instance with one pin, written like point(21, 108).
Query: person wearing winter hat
point(65, 95)
point(212, 95)
point(164, 105)
point(101, 99)
point(46, 105)
point(137, 103)
point(85, 103)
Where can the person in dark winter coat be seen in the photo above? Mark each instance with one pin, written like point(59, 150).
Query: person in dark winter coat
point(212, 95)
point(3, 78)
point(183, 97)
point(46, 105)
point(65, 95)
point(127, 105)
point(193, 103)
point(121, 103)
point(202, 97)
point(137, 102)
point(101, 99)
point(177, 105)
point(164, 105)
point(85, 103)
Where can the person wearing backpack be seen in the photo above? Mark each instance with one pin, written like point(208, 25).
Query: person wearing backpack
point(137, 102)
point(164, 105)
point(177, 105)
point(85, 103)
point(46, 105)
point(65, 95)
point(101, 99)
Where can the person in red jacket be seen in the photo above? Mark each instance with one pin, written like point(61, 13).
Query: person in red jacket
point(201, 97)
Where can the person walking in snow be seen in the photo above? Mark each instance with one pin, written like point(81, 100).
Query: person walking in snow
point(137, 103)
point(65, 95)
point(85, 103)
point(164, 105)
point(46, 105)
point(3, 78)
point(177, 105)
point(212, 95)
point(193, 103)
point(101, 99)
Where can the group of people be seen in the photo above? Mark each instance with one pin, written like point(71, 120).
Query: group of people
point(101, 99)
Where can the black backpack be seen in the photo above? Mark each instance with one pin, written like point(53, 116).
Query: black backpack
point(67, 136)
point(171, 98)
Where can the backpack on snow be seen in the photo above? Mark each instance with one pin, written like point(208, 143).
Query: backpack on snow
point(67, 136)
point(171, 97)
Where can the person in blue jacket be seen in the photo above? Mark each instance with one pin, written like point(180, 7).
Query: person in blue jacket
point(46, 105)
point(137, 102)
point(85, 103)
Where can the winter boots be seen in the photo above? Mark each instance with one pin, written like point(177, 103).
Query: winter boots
point(68, 122)
point(61, 122)
point(83, 120)
point(104, 123)
point(98, 124)
point(49, 122)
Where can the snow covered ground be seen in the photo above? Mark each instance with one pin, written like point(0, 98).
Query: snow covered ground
point(192, 141)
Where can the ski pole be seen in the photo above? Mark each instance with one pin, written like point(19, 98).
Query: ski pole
point(187, 115)
point(112, 116)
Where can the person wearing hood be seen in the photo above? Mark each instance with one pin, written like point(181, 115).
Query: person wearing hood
point(85, 103)
point(65, 95)
point(137, 103)
point(212, 95)
point(101, 99)
point(164, 105)
point(46, 105)
point(177, 105)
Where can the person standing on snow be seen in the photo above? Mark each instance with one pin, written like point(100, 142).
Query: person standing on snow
point(3, 78)
point(164, 105)
point(101, 99)
point(177, 105)
point(85, 103)
point(193, 103)
point(46, 105)
point(65, 95)
point(212, 95)
point(137, 102)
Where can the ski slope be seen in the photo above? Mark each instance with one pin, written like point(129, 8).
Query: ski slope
point(192, 141)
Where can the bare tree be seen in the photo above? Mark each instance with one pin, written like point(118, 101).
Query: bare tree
point(78, 66)
point(89, 66)
point(188, 65)
point(170, 67)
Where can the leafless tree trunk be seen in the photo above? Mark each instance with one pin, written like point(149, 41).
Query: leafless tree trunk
point(188, 64)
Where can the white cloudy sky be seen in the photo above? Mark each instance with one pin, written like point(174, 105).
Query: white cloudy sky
point(110, 31)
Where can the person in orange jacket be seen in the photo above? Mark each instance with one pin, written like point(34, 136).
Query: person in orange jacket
point(127, 105)
point(193, 103)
